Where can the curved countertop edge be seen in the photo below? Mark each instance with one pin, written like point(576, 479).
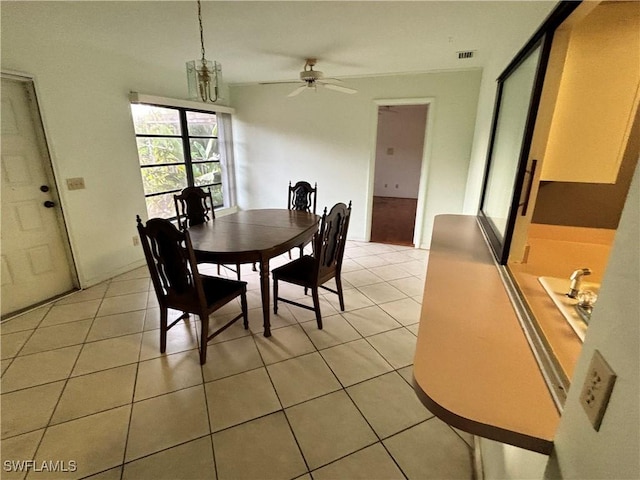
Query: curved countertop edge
point(482, 429)
point(473, 367)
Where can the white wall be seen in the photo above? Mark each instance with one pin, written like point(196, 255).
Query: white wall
point(482, 132)
point(329, 138)
point(83, 95)
point(501, 462)
point(497, 62)
point(399, 150)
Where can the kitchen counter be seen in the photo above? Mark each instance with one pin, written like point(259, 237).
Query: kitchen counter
point(473, 366)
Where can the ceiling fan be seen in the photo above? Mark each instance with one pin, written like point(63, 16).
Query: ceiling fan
point(313, 78)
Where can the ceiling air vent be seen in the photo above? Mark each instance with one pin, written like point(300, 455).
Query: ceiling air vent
point(466, 54)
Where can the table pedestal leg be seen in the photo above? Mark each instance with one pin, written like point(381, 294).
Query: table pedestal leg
point(264, 287)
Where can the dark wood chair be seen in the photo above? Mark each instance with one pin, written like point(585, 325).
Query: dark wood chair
point(302, 197)
point(179, 285)
point(194, 206)
point(312, 271)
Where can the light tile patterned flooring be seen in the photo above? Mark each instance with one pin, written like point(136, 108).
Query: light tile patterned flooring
point(83, 380)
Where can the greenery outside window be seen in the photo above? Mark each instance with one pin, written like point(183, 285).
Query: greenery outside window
point(177, 147)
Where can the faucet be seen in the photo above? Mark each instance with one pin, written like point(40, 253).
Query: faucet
point(575, 278)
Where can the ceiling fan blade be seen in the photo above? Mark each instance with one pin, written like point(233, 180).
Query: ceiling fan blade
point(297, 91)
point(291, 82)
point(339, 88)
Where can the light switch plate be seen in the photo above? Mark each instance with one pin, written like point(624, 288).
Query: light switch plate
point(597, 388)
point(76, 183)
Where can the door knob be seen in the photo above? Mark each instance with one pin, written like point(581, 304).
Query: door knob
point(49, 204)
point(44, 188)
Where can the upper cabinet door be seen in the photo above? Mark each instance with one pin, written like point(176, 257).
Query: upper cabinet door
point(597, 96)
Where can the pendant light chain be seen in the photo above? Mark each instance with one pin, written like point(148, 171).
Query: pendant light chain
point(201, 33)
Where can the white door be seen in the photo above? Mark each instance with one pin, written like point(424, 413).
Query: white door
point(34, 248)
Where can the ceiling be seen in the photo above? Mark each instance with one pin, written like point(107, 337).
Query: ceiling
point(268, 41)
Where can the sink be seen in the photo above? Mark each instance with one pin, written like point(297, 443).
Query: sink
point(556, 289)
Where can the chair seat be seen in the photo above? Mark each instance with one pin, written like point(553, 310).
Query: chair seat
point(299, 271)
point(220, 290)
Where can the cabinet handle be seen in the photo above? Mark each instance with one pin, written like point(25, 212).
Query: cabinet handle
point(532, 174)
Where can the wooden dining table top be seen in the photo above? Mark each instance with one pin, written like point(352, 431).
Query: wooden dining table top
point(247, 234)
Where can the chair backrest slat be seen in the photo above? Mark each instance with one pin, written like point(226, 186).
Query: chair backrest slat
point(194, 206)
point(302, 196)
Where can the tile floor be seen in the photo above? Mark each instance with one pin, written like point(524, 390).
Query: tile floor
point(84, 385)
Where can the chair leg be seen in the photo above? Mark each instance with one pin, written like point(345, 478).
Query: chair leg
point(238, 270)
point(218, 269)
point(301, 251)
point(290, 255)
point(163, 329)
point(204, 323)
point(316, 306)
point(245, 314)
point(339, 289)
point(275, 295)
point(254, 268)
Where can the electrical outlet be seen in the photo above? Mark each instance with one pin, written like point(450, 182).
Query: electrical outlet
point(597, 389)
point(76, 183)
point(136, 241)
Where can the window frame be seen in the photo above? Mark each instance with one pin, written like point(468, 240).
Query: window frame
point(183, 108)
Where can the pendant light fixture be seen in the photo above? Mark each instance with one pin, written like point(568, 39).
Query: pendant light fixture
point(203, 76)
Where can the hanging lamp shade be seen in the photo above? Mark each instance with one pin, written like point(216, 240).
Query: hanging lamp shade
point(203, 80)
point(203, 76)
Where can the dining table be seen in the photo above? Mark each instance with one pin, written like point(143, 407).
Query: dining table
point(253, 236)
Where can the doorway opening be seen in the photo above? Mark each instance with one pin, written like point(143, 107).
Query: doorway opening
point(399, 158)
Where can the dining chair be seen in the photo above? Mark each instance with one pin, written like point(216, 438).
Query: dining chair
point(312, 271)
point(179, 285)
point(194, 206)
point(302, 197)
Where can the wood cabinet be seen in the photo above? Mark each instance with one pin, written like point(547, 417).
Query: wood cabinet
point(596, 58)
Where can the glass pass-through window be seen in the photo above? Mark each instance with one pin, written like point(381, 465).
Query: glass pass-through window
point(177, 148)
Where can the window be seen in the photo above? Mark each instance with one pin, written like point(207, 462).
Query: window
point(177, 147)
